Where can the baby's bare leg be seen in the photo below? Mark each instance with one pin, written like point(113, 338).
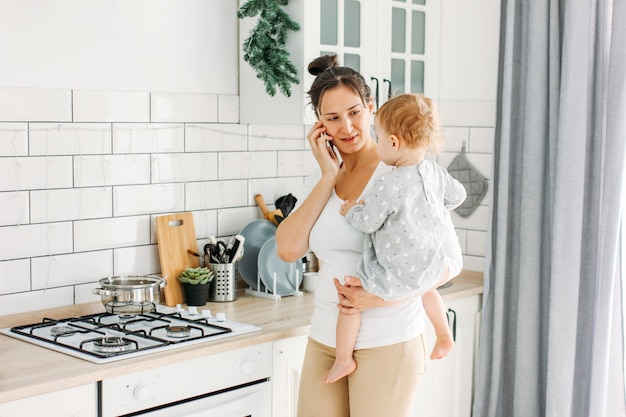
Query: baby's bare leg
point(436, 312)
point(347, 330)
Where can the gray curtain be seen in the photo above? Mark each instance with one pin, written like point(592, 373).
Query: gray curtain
point(552, 341)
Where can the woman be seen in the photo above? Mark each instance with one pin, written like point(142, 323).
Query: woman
point(390, 350)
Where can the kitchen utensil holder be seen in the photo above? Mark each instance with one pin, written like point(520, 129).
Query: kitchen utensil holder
point(224, 284)
point(270, 295)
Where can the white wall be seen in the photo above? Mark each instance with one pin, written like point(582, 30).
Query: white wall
point(129, 45)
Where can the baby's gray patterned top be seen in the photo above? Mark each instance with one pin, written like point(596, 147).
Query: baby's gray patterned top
point(406, 216)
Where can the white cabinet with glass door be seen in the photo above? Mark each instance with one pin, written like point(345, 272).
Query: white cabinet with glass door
point(393, 43)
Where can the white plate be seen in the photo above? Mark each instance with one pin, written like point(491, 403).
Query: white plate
point(256, 234)
point(288, 275)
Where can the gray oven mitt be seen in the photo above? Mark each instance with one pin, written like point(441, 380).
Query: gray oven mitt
point(474, 182)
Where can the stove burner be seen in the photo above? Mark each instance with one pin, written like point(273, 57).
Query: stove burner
point(125, 318)
point(178, 331)
point(62, 330)
point(111, 344)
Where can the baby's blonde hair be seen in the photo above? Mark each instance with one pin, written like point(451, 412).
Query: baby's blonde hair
point(414, 118)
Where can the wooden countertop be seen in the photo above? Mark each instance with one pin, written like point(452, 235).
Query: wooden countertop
point(29, 370)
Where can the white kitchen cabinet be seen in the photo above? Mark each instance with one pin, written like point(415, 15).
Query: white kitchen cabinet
point(393, 43)
point(287, 368)
point(72, 402)
point(447, 388)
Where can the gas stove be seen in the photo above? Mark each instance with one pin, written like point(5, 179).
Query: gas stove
point(106, 337)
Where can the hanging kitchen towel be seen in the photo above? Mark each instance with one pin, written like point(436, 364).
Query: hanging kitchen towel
point(474, 182)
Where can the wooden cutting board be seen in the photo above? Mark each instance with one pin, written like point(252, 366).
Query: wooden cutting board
point(176, 234)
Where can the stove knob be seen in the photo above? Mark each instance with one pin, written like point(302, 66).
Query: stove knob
point(142, 392)
point(220, 316)
point(247, 367)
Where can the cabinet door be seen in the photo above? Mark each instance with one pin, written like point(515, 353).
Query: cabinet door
point(447, 387)
point(409, 47)
point(72, 402)
point(287, 368)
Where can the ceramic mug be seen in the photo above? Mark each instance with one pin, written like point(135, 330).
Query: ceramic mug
point(309, 281)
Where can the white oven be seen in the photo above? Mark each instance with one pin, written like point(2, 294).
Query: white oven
point(229, 384)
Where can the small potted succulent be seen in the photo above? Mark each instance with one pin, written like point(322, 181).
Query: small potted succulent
point(196, 282)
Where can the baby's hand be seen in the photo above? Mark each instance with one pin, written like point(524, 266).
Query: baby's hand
point(347, 205)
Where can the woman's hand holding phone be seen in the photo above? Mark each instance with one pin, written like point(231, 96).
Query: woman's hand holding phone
point(323, 148)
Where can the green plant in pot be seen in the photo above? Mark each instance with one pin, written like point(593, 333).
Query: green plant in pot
point(196, 282)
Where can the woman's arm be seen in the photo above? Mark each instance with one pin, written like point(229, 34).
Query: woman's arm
point(292, 235)
point(354, 299)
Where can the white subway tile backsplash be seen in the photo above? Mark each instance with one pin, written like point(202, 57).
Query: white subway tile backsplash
point(216, 137)
point(272, 188)
point(93, 171)
point(111, 233)
point(454, 139)
point(83, 293)
point(179, 107)
point(71, 269)
point(111, 106)
point(276, 137)
point(215, 194)
point(69, 138)
point(184, 167)
point(36, 300)
point(70, 204)
point(468, 113)
point(86, 174)
point(461, 234)
point(146, 199)
point(35, 240)
point(14, 276)
point(476, 221)
point(35, 104)
point(482, 139)
point(13, 139)
point(233, 165)
point(137, 260)
point(33, 173)
point(205, 222)
point(231, 221)
point(474, 263)
point(228, 108)
point(476, 242)
point(148, 137)
point(14, 208)
point(296, 163)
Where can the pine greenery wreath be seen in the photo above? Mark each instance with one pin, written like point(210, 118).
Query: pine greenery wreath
point(265, 48)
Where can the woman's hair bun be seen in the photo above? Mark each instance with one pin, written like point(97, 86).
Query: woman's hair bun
point(321, 64)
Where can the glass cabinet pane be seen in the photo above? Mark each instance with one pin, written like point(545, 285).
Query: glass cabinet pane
point(352, 61)
point(422, 2)
point(398, 30)
point(418, 29)
point(352, 23)
point(397, 77)
point(417, 76)
point(328, 22)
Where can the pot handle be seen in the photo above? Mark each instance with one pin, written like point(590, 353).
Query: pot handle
point(102, 291)
point(164, 283)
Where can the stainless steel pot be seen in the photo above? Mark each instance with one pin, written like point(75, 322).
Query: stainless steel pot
point(130, 293)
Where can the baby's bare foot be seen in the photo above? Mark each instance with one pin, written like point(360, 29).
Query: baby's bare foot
point(443, 346)
point(339, 370)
